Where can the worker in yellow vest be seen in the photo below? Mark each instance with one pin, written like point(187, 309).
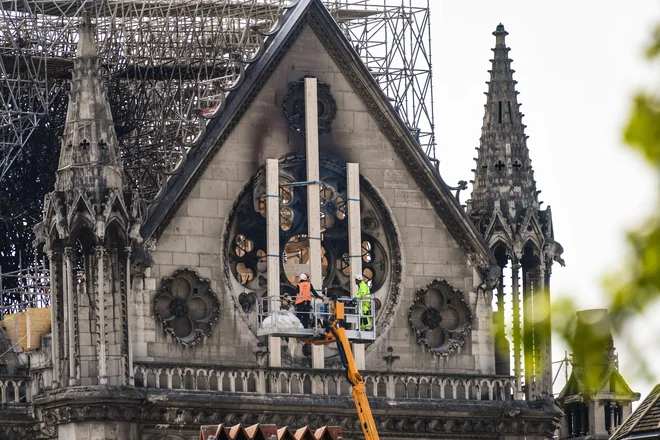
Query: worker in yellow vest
point(364, 296)
point(304, 299)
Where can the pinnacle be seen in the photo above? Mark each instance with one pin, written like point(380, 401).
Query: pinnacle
point(503, 163)
point(86, 44)
point(500, 30)
point(89, 141)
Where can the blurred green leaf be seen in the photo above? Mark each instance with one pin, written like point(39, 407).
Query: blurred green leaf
point(643, 130)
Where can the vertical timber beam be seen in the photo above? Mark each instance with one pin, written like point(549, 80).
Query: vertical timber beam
point(354, 229)
point(55, 336)
point(70, 316)
point(355, 243)
point(515, 302)
point(313, 200)
point(100, 310)
point(273, 254)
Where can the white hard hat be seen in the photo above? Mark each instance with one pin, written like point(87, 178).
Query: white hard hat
point(358, 278)
point(303, 277)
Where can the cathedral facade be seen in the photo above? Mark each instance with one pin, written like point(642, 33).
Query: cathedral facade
point(155, 312)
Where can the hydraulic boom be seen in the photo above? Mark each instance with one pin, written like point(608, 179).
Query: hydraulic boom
point(337, 333)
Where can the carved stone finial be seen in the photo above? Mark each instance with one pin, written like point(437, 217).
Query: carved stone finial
point(390, 358)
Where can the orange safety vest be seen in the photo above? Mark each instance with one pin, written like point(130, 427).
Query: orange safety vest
point(305, 293)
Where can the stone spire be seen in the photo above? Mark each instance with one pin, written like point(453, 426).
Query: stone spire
point(503, 179)
point(89, 229)
point(506, 210)
point(89, 157)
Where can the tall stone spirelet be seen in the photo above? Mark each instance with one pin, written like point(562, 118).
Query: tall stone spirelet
point(90, 225)
point(505, 207)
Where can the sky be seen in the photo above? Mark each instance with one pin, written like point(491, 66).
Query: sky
point(577, 64)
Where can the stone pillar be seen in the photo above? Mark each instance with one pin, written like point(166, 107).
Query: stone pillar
point(502, 348)
point(69, 294)
point(515, 301)
point(129, 313)
point(359, 356)
point(54, 308)
point(584, 421)
point(543, 333)
point(528, 336)
point(98, 430)
point(499, 316)
point(100, 310)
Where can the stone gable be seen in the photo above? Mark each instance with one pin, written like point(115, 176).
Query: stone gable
point(193, 239)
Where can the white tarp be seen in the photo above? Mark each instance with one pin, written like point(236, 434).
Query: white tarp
point(285, 320)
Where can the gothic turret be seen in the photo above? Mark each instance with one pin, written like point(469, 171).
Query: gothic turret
point(89, 226)
point(505, 208)
point(596, 399)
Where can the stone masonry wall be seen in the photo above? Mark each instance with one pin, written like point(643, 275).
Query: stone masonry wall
point(194, 237)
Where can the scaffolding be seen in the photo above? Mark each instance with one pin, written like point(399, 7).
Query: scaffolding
point(31, 289)
point(393, 39)
point(170, 64)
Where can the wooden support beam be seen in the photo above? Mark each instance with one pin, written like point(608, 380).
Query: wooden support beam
point(273, 253)
point(354, 220)
point(313, 200)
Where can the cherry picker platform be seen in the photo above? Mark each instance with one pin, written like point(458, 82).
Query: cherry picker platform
point(277, 317)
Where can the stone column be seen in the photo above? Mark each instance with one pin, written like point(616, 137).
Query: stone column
point(543, 333)
point(500, 303)
point(55, 336)
point(502, 348)
point(515, 301)
point(528, 335)
point(100, 311)
point(69, 294)
point(129, 313)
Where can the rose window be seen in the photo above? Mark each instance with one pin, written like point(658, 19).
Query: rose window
point(245, 239)
point(186, 307)
point(440, 318)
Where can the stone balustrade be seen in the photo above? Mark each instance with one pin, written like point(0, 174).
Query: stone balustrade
point(14, 390)
point(324, 382)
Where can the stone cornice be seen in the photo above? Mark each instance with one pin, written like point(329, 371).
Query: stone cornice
point(183, 409)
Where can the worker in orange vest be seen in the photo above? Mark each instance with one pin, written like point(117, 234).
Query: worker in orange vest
point(304, 299)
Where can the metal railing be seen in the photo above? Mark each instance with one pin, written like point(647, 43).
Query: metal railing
point(281, 316)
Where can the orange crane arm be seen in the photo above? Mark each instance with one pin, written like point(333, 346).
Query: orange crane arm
point(359, 393)
point(337, 333)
